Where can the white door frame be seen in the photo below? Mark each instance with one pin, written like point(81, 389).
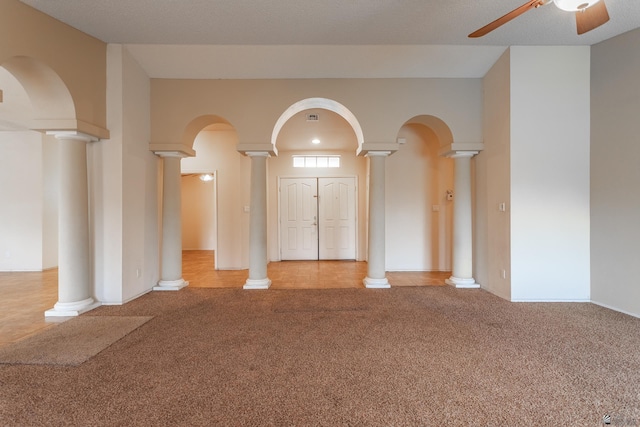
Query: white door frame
point(355, 195)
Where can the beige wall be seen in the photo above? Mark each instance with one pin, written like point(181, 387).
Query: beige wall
point(492, 245)
point(253, 107)
point(29, 208)
point(199, 230)
point(123, 191)
point(538, 165)
point(615, 175)
point(78, 59)
point(550, 173)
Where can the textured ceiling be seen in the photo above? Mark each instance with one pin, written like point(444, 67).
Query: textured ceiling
point(330, 22)
point(329, 38)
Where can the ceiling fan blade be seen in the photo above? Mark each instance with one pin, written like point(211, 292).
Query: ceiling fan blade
point(591, 17)
point(531, 4)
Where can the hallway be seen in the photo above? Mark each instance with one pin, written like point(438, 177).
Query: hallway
point(27, 295)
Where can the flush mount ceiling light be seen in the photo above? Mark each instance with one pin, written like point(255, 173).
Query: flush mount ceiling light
point(315, 141)
point(206, 177)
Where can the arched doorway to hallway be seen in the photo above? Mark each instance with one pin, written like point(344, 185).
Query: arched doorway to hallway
point(214, 209)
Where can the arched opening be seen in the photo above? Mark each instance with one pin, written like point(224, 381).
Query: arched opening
point(318, 104)
point(215, 191)
point(33, 97)
point(420, 207)
point(32, 94)
point(315, 180)
point(440, 129)
point(49, 97)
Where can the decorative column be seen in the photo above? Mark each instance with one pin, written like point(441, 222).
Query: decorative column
point(376, 273)
point(462, 274)
point(171, 270)
point(258, 223)
point(74, 266)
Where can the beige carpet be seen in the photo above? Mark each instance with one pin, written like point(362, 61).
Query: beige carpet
point(428, 356)
point(71, 343)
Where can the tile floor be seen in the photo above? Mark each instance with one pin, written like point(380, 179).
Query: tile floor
point(26, 296)
point(24, 299)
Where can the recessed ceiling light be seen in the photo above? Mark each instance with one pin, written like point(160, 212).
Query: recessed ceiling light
point(315, 141)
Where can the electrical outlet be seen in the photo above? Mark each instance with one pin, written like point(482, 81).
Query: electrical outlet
point(503, 273)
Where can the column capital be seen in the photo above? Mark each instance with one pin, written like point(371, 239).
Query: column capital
point(177, 154)
point(461, 154)
point(449, 150)
point(378, 154)
point(374, 147)
point(257, 154)
point(249, 147)
point(183, 150)
point(72, 134)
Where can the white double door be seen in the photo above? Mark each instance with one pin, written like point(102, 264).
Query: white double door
point(318, 218)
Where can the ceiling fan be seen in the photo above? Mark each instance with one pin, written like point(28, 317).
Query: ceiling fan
point(590, 14)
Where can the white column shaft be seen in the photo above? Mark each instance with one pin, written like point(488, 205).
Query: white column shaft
point(74, 265)
point(376, 271)
point(462, 274)
point(258, 224)
point(171, 271)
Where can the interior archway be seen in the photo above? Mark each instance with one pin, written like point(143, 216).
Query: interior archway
point(28, 164)
point(33, 97)
point(301, 162)
point(323, 104)
point(213, 213)
point(419, 226)
point(195, 126)
point(440, 129)
point(49, 96)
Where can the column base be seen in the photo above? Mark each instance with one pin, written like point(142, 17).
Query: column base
point(257, 283)
point(462, 283)
point(171, 285)
point(370, 283)
point(71, 309)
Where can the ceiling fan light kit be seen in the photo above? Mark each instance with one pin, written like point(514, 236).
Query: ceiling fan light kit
point(574, 5)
